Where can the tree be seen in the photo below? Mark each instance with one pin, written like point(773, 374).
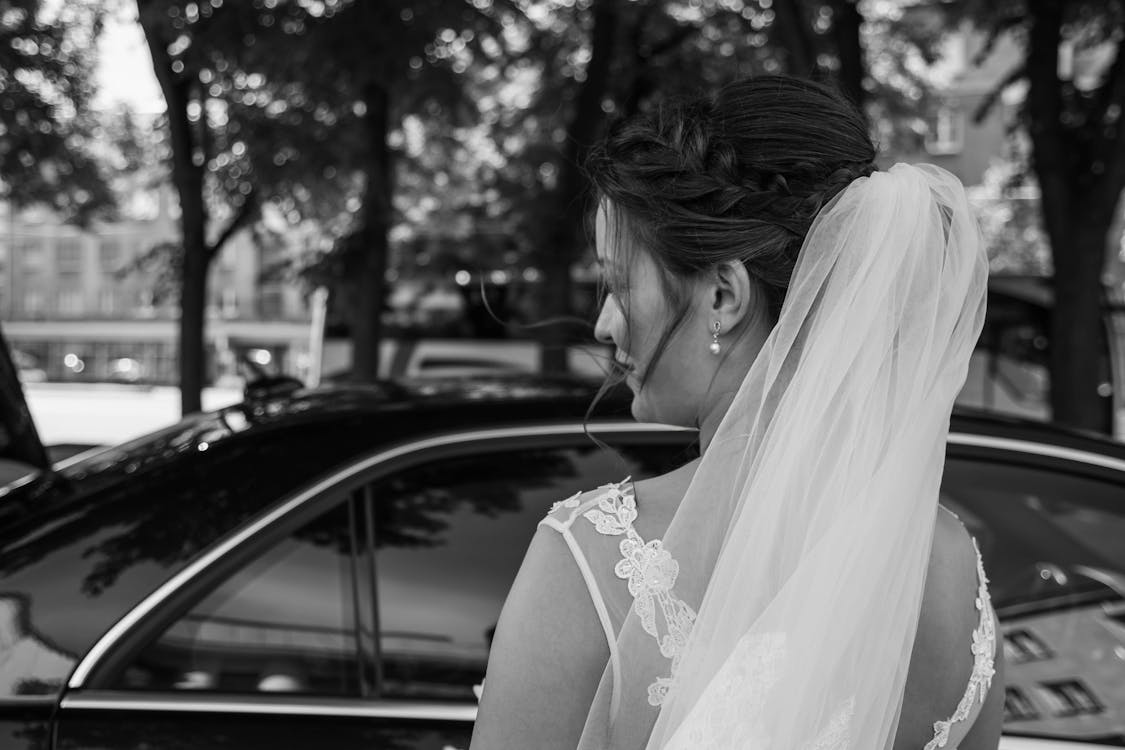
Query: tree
point(563, 236)
point(1071, 114)
point(171, 31)
point(372, 65)
point(46, 128)
point(822, 38)
point(1007, 206)
point(292, 105)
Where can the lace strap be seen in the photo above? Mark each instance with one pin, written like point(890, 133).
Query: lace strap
point(561, 518)
point(651, 573)
point(984, 661)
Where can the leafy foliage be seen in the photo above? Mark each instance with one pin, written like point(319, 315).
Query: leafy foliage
point(1073, 66)
point(47, 133)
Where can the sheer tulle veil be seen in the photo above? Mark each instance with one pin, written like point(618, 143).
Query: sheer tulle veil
point(803, 540)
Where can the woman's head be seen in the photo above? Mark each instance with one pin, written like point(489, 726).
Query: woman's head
point(702, 207)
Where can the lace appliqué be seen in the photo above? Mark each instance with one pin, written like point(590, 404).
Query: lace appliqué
point(570, 502)
point(984, 666)
point(732, 715)
point(836, 735)
point(729, 715)
point(651, 572)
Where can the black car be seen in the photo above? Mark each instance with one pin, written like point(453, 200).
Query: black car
point(325, 568)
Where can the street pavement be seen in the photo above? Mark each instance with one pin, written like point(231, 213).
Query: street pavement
point(104, 414)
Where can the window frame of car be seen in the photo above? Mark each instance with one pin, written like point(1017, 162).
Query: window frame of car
point(96, 670)
point(1083, 462)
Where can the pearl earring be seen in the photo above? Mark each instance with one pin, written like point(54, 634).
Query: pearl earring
point(715, 346)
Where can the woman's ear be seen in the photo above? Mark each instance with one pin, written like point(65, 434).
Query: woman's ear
point(735, 298)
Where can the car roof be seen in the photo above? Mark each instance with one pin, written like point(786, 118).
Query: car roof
point(464, 401)
point(992, 424)
point(475, 401)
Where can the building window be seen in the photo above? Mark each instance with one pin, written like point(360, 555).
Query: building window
point(34, 303)
point(70, 302)
point(946, 132)
point(29, 256)
point(109, 256)
point(69, 255)
point(109, 301)
point(228, 306)
point(1021, 645)
point(271, 304)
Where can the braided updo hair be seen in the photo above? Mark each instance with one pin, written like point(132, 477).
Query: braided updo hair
point(737, 175)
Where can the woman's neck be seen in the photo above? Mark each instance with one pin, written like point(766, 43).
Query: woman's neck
point(713, 416)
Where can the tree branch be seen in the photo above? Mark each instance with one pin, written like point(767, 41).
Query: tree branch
point(998, 28)
point(990, 99)
point(1109, 148)
point(1112, 91)
point(245, 213)
point(681, 35)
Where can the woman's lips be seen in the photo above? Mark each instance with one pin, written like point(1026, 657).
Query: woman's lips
point(626, 371)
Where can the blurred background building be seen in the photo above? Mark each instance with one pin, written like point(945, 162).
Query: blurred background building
point(80, 305)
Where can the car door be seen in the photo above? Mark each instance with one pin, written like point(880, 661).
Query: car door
point(1050, 523)
point(357, 612)
point(233, 654)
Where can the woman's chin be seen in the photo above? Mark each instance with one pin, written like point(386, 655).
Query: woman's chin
point(639, 409)
point(645, 409)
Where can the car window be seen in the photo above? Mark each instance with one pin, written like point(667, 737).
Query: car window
point(284, 623)
point(122, 522)
point(450, 536)
point(1052, 547)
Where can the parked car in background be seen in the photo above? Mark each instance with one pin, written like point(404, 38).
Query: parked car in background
point(326, 567)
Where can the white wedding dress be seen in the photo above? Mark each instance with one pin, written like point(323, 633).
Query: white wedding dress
point(623, 572)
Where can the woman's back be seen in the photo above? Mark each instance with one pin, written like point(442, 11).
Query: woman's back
point(947, 701)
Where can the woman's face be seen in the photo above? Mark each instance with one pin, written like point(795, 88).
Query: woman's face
point(634, 316)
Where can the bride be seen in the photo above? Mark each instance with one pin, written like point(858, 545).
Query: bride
point(797, 586)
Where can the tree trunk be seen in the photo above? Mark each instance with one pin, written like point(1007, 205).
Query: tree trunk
point(795, 35)
point(1077, 207)
point(193, 307)
point(371, 262)
point(846, 24)
point(187, 177)
point(564, 237)
point(1077, 330)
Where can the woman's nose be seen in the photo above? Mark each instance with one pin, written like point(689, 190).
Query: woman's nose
point(603, 329)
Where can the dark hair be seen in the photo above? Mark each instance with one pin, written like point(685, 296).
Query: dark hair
point(736, 175)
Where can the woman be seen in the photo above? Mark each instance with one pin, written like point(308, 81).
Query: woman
point(796, 586)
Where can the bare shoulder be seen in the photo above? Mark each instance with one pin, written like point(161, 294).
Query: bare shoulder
point(658, 498)
point(942, 661)
point(547, 655)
